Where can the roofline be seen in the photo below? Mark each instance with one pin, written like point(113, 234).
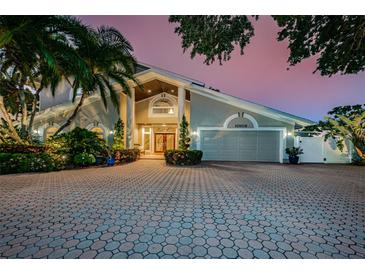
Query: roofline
point(195, 84)
point(161, 70)
point(255, 107)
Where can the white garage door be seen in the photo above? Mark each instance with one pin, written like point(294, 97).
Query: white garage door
point(224, 145)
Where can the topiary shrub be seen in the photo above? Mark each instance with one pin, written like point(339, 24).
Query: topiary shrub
point(27, 162)
point(183, 157)
point(84, 159)
point(118, 139)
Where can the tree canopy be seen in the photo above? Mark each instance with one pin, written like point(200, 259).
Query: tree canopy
point(344, 123)
point(37, 52)
point(337, 42)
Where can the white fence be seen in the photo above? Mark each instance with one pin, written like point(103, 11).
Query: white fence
point(316, 150)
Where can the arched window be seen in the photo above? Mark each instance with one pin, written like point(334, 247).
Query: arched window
point(99, 132)
point(163, 106)
point(50, 131)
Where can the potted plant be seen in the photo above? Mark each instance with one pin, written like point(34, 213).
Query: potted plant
point(293, 154)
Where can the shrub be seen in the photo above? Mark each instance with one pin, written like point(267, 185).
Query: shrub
point(118, 139)
point(68, 145)
point(183, 157)
point(126, 155)
point(84, 159)
point(27, 162)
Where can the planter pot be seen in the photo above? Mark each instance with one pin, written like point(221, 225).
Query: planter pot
point(110, 161)
point(293, 160)
point(99, 160)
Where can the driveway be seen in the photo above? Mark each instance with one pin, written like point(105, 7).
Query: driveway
point(215, 210)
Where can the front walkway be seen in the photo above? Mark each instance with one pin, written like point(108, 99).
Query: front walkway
point(216, 210)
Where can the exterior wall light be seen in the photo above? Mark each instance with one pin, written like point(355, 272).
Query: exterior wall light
point(111, 132)
point(290, 134)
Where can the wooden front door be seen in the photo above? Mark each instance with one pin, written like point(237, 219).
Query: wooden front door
point(164, 141)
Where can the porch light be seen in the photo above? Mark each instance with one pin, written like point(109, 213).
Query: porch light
point(163, 125)
point(171, 111)
point(111, 132)
point(149, 91)
point(172, 91)
point(289, 134)
point(35, 131)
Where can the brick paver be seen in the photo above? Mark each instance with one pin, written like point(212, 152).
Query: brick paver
point(216, 210)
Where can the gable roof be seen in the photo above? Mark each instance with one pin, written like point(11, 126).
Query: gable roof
point(199, 88)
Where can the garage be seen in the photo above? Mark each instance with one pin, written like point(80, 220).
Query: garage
point(241, 145)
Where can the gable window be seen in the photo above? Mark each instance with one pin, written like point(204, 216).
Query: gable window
point(163, 106)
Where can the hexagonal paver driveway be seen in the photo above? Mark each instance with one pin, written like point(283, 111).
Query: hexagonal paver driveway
point(215, 210)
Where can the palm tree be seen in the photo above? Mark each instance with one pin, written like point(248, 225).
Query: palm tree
point(109, 59)
point(35, 52)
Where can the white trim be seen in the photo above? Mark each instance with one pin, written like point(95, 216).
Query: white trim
point(250, 106)
point(282, 131)
point(245, 115)
point(162, 95)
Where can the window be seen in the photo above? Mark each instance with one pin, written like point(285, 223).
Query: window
point(50, 132)
point(163, 106)
point(99, 132)
point(146, 138)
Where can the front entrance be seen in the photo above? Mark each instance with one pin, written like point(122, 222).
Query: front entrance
point(164, 141)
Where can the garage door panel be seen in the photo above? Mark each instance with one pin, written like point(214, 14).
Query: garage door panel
point(225, 145)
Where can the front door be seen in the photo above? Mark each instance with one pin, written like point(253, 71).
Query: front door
point(164, 141)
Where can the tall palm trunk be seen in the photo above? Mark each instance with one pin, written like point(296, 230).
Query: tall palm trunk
point(34, 111)
point(73, 115)
point(13, 134)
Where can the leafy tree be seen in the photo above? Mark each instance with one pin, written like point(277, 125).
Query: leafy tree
point(213, 36)
point(108, 57)
point(337, 42)
point(35, 52)
point(118, 139)
point(184, 140)
point(344, 123)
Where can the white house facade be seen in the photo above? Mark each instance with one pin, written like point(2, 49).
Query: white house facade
point(224, 127)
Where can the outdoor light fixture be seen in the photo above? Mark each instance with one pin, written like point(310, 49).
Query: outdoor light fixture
point(149, 91)
point(111, 132)
point(171, 111)
point(172, 91)
point(163, 125)
point(289, 133)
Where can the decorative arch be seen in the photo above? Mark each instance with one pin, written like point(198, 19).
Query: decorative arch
point(44, 130)
point(243, 115)
point(94, 126)
point(162, 101)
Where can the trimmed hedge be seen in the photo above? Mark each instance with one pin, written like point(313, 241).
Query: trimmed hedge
point(126, 155)
point(27, 162)
point(183, 157)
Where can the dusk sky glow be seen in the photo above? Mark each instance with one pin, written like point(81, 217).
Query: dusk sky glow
point(260, 75)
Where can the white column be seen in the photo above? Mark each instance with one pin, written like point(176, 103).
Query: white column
point(130, 118)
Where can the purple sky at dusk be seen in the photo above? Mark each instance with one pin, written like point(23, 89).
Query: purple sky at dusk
point(260, 75)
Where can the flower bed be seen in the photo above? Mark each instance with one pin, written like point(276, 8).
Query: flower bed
point(126, 155)
point(183, 157)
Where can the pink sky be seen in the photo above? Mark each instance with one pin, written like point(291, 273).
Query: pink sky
point(260, 75)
